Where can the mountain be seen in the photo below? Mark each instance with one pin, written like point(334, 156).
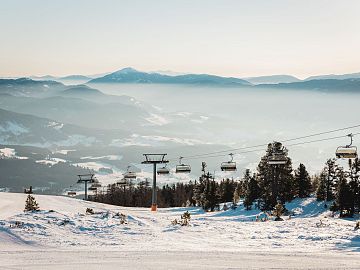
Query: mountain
point(75, 77)
point(334, 76)
point(273, 79)
point(326, 85)
point(28, 87)
point(130, 75)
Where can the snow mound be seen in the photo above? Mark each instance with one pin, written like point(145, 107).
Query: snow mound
point(63, 222)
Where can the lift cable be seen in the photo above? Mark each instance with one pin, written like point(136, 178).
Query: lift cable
point(225, 153)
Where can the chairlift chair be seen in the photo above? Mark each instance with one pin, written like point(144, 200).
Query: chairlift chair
point(277, 159)
point(182, 168)
point(163, 170)
point(129, 174)
point(92, 188)
point(122, 182)
point(229, 166)
point(71, 193)
point(348, 151)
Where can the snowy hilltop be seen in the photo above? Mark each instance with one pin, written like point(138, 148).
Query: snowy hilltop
point(89, 229)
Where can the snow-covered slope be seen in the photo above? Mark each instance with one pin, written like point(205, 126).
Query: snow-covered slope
point(63, 224)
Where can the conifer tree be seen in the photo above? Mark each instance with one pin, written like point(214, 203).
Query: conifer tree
point(275, 182)
point(321, 190)
point(252, 192)
point(31, 204)
point(302, 182)
point(344, 200)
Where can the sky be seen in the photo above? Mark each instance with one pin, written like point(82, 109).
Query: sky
point(227, 37)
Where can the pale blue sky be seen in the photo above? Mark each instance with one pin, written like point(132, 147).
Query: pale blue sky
point(228, 37)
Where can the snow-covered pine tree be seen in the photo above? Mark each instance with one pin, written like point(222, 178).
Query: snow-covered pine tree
point(302, 182)
point(31, 204)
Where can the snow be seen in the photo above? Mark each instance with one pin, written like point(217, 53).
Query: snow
point(51, 161)
point(220, 240)
point(96, 166)
point(9, 153)
point(63, 152)
point(55, 125)
point(108, 157)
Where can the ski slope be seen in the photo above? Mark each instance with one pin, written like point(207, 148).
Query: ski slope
point(63, 236)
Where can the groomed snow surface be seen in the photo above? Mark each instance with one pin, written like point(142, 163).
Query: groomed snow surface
point(63, 236)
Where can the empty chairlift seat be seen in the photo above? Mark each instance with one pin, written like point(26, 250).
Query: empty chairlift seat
point(163, 170)
point(129, 174)
point(277, 159)
point(122, 182)
point(348, 151)
point(182, 168)
point(229, 166)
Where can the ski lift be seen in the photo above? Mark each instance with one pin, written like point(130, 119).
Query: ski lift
point(129, 174)
point(348, 151)
point(277, 159)
point(71, 193)
point(92, 188)
point(122, 182)
point(163, 170)
point(182, 168)
point(229, 166)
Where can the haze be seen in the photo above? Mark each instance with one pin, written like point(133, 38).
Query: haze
point(229, 38)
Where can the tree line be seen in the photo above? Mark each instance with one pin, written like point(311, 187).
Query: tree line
point(268, 186)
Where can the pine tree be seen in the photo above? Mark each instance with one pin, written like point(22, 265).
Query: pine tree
point(344, 199)
point(354, 174)
point(321, 190)
point(276, 182)
point(31, 204)
point(302, 182)
point(330, 172)
point(252, 192)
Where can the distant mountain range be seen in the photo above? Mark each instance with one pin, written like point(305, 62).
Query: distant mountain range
point(273, 79)
point(325, 85)
point(130, 75)
point(335, 77)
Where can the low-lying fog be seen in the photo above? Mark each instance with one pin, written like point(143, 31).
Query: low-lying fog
point(240, 117)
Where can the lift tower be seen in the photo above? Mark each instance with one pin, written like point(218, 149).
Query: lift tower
point(154, 159)
point(86, 178)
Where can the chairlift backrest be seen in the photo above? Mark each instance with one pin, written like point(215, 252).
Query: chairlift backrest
point(346, 152)
point(277, 159)
point(183, 168)
point(228, 166)
point(163, 170)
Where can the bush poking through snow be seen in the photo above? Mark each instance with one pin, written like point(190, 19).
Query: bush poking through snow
point(357, 226)
point(31, 204)
point(17, 224)
point(278, 211)
point(89, 211)
point(123, 219)
point(185, 220)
